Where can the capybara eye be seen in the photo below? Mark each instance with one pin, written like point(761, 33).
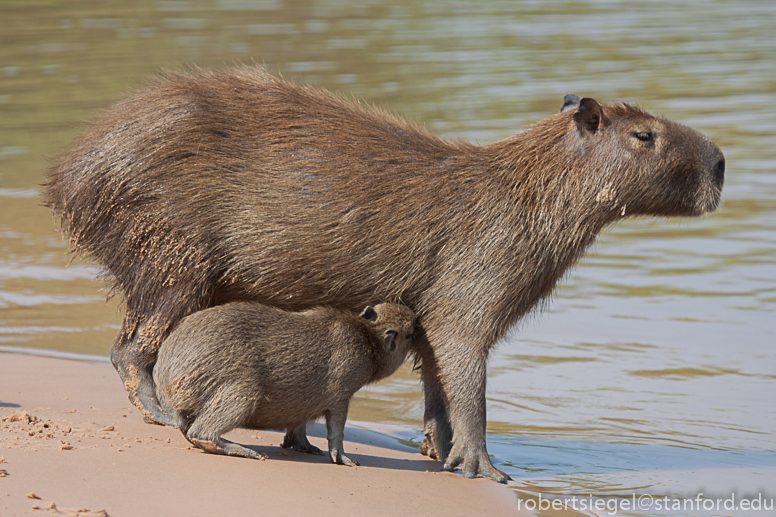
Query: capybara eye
point(644, 136)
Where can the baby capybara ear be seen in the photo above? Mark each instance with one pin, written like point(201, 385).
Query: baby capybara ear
point(369, 313)
point(389, 339)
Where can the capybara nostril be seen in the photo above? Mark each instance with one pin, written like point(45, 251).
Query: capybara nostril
point(721, 167)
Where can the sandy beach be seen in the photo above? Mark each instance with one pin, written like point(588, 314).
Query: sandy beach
point(72, 444)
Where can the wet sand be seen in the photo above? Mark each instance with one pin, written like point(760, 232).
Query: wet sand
point(72, 444)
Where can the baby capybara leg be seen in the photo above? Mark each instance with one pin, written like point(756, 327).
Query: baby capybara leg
point(214, 444)
point(235, 449)
point(296, 439)
point(335, 432)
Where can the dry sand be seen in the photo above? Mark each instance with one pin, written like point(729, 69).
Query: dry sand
point(71, 444)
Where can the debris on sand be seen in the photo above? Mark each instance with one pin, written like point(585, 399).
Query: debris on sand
point(66, 512)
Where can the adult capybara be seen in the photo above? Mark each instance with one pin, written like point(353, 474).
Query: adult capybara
point(249, 365)
point(209, 187)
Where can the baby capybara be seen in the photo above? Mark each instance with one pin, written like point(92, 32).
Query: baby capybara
point(248, 365)
point(210, 187)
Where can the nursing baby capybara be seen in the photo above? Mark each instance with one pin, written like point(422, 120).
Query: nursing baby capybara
point(210, 187)
point(248, 365)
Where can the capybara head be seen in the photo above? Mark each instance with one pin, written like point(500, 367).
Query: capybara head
point(395, 325)
point(646, 165)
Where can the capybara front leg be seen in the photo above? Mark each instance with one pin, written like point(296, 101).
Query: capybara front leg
point(134, 364)
point(296, 439)
point(464, 385)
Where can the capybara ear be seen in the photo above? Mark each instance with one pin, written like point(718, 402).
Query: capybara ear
point(369, 313)
point(588, 116)
point(569, 101)
point(390, 340)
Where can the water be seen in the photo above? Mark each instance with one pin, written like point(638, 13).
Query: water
point(653, 369)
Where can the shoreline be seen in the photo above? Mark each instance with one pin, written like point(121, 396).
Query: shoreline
point(69, 436)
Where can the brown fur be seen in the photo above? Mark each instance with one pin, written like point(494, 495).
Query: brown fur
point(250, 365)
point(212, 187)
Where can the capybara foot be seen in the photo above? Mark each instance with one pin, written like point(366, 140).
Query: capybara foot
point(336, 456)
point(344, 460)
point(152, 411)
point(139, 384)
point(427, 449)
point(308, 449)
point(296, 440)
point(476, 463)
point(222, 446)
point(158, 418)
point(437, 443)
point(235, 449)
point(312, 449)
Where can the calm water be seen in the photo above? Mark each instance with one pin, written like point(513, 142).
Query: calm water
point(653, 371)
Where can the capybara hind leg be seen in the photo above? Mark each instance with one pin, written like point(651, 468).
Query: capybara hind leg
point(436, 422)
point(296, 439)
point(466, 396)
point(134, 364)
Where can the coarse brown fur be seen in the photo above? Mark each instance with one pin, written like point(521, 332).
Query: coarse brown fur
point(245, 364)
point(210, 187)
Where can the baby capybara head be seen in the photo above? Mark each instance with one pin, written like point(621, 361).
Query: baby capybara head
point(395, 326)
